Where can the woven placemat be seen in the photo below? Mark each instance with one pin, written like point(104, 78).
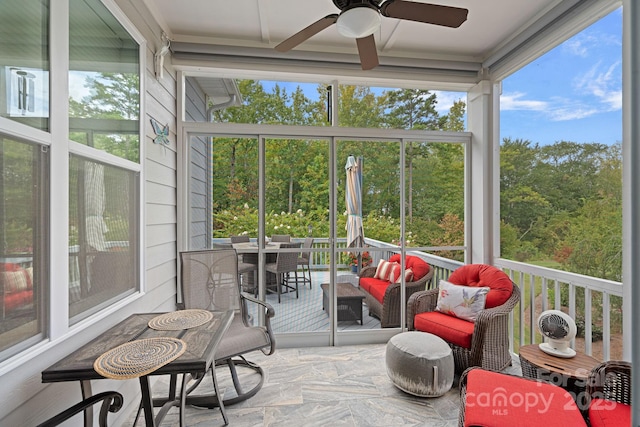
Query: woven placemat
point(181, 319)
point(140, 357)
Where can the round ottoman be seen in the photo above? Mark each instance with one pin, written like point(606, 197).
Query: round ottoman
point(420, 363)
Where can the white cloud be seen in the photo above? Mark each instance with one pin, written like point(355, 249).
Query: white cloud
point(446, 100)
point(605, 85)
point(556, 109)
point(587, 42)
point(514, 101)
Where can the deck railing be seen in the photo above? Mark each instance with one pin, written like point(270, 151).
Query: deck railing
point(594, 303)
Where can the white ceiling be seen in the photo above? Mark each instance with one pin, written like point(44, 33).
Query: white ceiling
point(494, 30)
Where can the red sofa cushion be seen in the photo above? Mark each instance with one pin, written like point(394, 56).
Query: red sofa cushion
point(375, 287)
point(481, 275)
point(499, 400)
point(449, 328)
point(606, 413)
point(419, 266)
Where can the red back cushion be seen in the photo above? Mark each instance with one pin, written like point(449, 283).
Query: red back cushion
point(419, 266)
point(481, 275)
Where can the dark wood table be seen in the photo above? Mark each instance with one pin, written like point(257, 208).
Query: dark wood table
point(349, 301)
point(197, 359)
point(570, 374)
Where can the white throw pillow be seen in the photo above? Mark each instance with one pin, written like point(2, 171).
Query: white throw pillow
point(464, 302)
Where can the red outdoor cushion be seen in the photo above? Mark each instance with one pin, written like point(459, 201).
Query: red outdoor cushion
point(375, 287)
point(606, 413)
point(419, 266)
point(449, 328)
point(500, 400)
point(481, 275)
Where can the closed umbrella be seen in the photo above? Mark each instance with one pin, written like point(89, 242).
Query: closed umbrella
point(353, 196)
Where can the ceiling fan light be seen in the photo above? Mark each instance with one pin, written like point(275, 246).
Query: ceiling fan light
point(358, 22)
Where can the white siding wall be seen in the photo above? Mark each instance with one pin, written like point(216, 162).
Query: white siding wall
point(199, 170)
point(26, 401)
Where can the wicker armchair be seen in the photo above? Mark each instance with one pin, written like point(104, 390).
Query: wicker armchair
point(490, 337)
point(389, 310)
point(609, 394)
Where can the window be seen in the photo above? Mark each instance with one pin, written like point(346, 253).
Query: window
point(104, 82)
point(104, 113)
point(103, 261)
point(24, 62)
point(23, 242)
point(102, 174)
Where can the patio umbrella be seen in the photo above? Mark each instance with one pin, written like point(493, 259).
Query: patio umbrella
point(353, 196)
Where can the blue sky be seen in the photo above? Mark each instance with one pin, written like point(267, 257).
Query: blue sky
point(572, 93)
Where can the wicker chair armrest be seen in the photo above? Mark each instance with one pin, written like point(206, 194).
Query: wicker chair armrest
point(111, 402)
point(610, 380)
point(421, 302)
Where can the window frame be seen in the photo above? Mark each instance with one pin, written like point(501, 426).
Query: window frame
point(58, 326)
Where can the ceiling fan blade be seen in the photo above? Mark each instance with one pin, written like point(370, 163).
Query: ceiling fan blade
point(307, 32)
point(367, 51)
point(446, 16)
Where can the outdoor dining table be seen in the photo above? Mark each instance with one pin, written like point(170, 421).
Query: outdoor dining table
point(197, 357)
point(249, 251)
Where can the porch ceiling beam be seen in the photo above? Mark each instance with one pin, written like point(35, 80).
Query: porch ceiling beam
point(427, 73)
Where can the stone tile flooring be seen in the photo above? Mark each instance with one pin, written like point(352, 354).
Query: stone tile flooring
point(326, 386)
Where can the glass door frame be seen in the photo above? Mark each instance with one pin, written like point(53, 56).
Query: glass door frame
point(333, 135)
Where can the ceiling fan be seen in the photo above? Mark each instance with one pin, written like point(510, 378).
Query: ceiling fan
point(359, 19)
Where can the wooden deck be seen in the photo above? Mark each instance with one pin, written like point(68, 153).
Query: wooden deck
point(305, 313)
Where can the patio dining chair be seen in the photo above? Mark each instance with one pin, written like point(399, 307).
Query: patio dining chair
point(281, 238)
point(285, 264)
point(210, 282)
point(304, 261)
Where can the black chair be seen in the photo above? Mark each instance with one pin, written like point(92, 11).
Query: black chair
point(210, 282)
point(111, 402)
point(283, 238)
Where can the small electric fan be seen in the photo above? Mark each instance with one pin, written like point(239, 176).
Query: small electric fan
point(559, 328)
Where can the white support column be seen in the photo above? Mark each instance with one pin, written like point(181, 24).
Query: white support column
point(482, 177)
point(630, 198)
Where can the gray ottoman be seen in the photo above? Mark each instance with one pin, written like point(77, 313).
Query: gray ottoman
point(420, 363)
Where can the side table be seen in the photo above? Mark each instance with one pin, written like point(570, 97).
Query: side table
point(570, 374)
point(349, 301)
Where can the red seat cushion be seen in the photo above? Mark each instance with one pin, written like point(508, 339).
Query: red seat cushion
point(499, 400)
point(419, 266)
point(449, 328)
point(481, 275)
point(375, 287)
point(606, 413)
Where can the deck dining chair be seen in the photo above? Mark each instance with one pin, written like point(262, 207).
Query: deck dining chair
point(281, 238)
point(304, 261)
point(210, 282)
point(285, 264)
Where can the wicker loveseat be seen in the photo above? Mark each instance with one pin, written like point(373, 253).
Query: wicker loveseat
point(484, 342)
point(383, 297)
